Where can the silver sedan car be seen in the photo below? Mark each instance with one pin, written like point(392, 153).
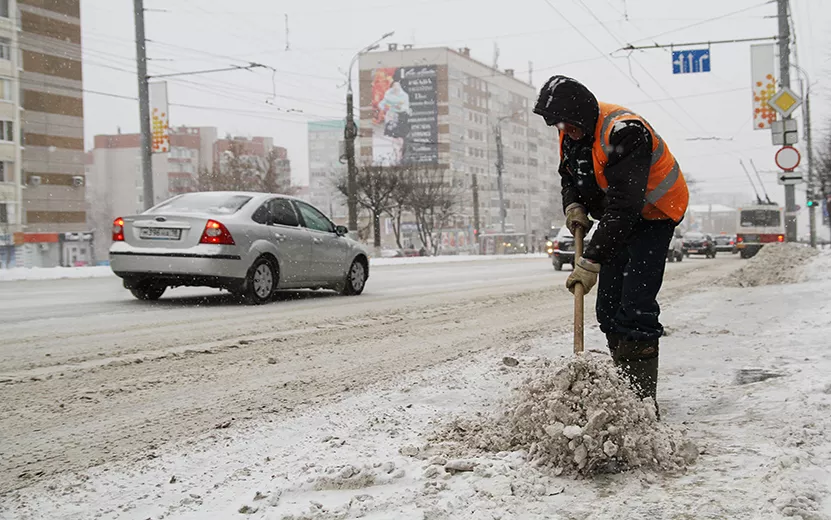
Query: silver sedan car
point(248, 243)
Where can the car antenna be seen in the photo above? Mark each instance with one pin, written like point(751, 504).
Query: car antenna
point(750, 179)
point(760, 181)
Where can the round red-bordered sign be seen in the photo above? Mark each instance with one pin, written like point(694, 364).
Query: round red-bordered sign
point(788, 158)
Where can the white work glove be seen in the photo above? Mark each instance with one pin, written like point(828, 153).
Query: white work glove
point(585, 273)
point(576, 216)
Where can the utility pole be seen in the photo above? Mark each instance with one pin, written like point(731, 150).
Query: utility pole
point(500, 166)
point(476, 230)
point(352, 174)
point(349, 134)
point(144, 106)
point(785, 81)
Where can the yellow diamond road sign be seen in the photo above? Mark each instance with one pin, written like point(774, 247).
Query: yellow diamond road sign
point(785, 102)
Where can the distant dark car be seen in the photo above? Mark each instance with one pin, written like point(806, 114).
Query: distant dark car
point(726, 244)
point(561, 247)
point(699, 244)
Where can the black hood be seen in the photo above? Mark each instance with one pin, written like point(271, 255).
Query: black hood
point(566, 100)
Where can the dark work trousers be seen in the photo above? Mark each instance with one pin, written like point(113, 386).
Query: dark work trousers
point(628, 285)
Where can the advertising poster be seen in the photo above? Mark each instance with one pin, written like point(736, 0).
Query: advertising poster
point(159, 117)
point(405, 116)
point(764, 84)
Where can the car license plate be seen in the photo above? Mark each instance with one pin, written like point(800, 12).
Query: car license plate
point(693, 251)
point(160, 233)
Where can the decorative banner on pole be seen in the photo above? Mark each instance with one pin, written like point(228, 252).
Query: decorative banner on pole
point(159, 117)
point(764, 84)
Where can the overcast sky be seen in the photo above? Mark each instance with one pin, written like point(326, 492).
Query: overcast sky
point(324, 34)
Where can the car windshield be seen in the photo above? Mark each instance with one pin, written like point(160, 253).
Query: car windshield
point(214, 203)
point(693, 236)
point(760, 218)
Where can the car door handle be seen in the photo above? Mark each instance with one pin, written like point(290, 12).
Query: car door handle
point(279, 237)
point(316, 240)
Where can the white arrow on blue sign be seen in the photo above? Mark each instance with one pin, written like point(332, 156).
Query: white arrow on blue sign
point(690, 61)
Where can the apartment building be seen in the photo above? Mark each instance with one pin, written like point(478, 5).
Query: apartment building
point(450, 105)
point(11, 188)
point(53, 215)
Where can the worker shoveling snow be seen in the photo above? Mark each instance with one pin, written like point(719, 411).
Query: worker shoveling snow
point(579, 418)
point(773, 264)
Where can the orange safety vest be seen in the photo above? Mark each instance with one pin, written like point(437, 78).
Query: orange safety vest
point(666, 190)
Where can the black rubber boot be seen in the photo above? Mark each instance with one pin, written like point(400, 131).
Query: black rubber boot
point(638, 360)
point(613, 342)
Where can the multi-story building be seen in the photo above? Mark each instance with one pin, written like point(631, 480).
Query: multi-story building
point(326, 147)
point(440, 107)
point(114, 179)
point(52, 120)
point(11, 185)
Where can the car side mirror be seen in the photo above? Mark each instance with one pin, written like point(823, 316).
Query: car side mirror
point(341, 231)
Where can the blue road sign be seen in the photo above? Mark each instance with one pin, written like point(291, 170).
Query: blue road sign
point(689, 61)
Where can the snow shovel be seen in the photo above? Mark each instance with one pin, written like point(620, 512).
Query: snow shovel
point(579, 292)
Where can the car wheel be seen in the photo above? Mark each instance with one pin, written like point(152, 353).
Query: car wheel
point(558, 265)
point(148, 290)
point(355, 279)
point(260, 282)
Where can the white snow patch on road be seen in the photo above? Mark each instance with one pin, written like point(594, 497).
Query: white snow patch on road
point(765, 446)
point(17, 274)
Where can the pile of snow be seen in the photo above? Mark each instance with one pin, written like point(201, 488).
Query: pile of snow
point(773, 264)
point(581, 418)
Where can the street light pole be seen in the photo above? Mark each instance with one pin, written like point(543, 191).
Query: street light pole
point(349, 134)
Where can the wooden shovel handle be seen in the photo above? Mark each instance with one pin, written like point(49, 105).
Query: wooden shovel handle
point(579, 292)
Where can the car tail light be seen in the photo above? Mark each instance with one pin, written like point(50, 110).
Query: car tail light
point(731, 243)
point(118, 230)
point(216, 233)
point(706, 244)
point(781, 238)
point(740, 239)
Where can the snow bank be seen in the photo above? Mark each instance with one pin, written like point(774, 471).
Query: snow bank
point(774, 264)
point(53, 273)
point(60, 273)
point(581, 418)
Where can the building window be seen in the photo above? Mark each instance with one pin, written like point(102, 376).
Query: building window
point(5, 89)
point(7, 131)
point(6, 171)
point(5, 48)
point(4, 214)
point(4, 8)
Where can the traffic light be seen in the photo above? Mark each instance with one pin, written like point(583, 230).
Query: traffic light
point(811, 203)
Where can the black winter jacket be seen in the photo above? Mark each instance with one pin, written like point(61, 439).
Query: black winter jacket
point(627, 172)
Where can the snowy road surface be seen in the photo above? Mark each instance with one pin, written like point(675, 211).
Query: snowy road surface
point(91, 376)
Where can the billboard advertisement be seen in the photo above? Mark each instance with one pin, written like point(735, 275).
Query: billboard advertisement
point(405, 127)
point(159, 117)
point(762, 64)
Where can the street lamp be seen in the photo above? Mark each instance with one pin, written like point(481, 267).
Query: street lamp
point(349, 134)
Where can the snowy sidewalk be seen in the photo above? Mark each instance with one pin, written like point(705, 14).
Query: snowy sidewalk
point(745, 371)
point(60, 273)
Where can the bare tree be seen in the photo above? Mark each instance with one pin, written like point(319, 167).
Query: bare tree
point(272, 180)
point(375, 186)
point(400, 201)
point(238, 171)
point(434, 202)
